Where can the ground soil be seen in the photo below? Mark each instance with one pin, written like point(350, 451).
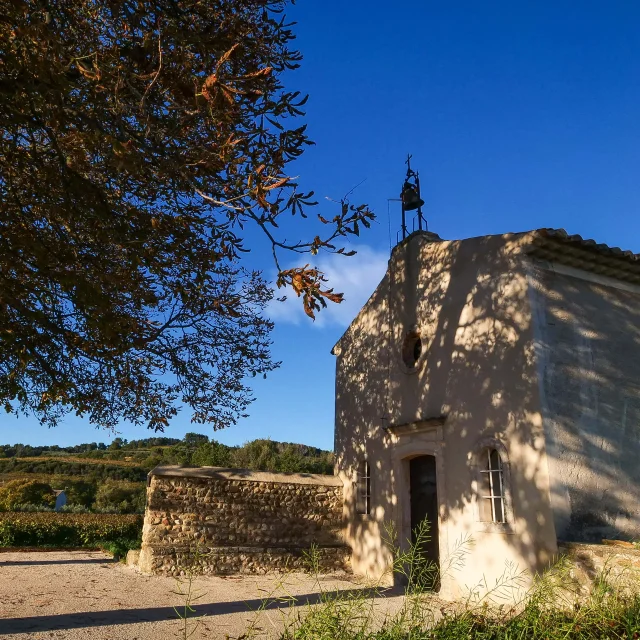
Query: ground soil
point(80, 594)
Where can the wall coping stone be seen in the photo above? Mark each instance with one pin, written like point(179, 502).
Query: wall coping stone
point(222, 473)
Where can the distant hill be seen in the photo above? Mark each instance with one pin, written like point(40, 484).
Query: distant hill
point(132, 460)
point(93, 469)
point(111, 478)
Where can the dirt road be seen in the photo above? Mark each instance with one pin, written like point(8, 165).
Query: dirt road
point(87, 595)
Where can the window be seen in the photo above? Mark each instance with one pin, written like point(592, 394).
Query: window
point(411, 349)
point(363, 488)
point(491, 495)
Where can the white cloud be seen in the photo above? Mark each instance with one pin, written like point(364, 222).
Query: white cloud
point(356, 276)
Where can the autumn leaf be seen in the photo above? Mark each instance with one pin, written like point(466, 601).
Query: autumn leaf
point(139, 151)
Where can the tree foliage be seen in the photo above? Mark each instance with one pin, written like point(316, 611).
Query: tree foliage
point(134, 459)
point(138, 138)
point(194, 439)
point(67, 529)
point(212, 454)
point(79, 492)
point(120, 497)
point(25, 491)
point(50, 466)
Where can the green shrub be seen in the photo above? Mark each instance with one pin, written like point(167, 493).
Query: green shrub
point(268, 455)
point(260, 454)
point(212, 454)
point(120, 546)
point(31, 508)
point(74, 508)
point(66, 529)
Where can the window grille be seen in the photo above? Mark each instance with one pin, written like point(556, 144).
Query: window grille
point(363, 488)
point(492, 488)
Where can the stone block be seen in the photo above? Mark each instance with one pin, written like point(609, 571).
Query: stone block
point(133, 556)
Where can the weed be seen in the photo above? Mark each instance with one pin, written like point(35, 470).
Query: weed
point(119, 547)
point(186, 589)
point(517, 606)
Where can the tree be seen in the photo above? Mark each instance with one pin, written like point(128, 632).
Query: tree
point(138, 139)
point(193, 439)
point(79, 492)
point(212, 454)
point(260, 454)
point(120, 497)
point(116, 444)
point(24, 491)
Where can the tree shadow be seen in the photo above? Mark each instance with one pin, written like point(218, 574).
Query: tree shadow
point(490, 364)
point(13, 563)
point(117, 617)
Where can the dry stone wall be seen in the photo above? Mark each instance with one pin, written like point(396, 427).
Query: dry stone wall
point(617, 563)
point(238, 521)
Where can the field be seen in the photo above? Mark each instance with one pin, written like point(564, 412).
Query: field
point(114, 532)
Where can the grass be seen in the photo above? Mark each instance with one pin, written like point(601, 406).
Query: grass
point(350, 618)
point(549, 607)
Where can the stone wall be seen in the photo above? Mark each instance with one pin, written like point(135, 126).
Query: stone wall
point(616, 563)
point(241, 521)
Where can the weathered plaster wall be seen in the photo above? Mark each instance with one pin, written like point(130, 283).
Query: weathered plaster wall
point(469, 301)
point(241, 521)
point(588, 345)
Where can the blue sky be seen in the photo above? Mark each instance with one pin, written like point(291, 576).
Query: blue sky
point(518, 115)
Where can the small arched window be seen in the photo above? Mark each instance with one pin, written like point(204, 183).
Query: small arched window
point(363, 488)
point(412, 349)
point(491, 495)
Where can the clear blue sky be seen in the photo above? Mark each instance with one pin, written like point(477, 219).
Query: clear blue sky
point(518, 115)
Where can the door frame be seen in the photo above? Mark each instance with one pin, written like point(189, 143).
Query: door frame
point(404, 450)
point(434, 521)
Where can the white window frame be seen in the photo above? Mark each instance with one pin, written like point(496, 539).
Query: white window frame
point(363, 488)
point(495, 493)
point(479, 468)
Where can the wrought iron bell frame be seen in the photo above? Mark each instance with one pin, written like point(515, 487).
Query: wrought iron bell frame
point(410, 198)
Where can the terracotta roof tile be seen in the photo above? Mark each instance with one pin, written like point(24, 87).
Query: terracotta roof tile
point(557, 245)
point(587, 243)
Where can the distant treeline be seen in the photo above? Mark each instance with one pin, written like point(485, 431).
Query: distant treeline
point(65, 468)
point(193, 450)
point(28, 451)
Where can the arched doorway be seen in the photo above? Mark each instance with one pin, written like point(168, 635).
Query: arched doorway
point(423, 488)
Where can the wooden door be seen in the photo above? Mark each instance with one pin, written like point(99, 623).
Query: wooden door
point(424, 505)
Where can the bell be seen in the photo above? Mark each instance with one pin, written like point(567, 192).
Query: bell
point(410, 197)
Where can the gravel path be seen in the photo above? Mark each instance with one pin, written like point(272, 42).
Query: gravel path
point(77, 594)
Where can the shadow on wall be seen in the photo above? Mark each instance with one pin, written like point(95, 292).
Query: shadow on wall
point(472, 305)
point(589, 355)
